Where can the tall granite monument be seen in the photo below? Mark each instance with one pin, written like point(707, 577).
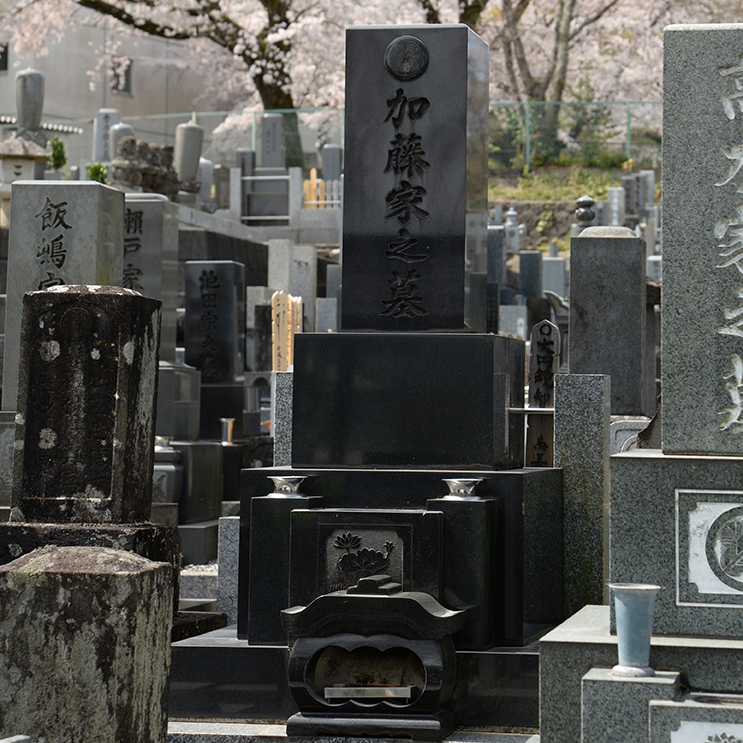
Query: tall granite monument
point(415, 192)
point(406, 526)
point(676, 513)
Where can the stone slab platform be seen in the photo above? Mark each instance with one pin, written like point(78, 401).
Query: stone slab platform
point(215, 676)
point(584, 642)
point(235, 732)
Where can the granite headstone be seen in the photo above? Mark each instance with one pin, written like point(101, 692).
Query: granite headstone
point(420, 113)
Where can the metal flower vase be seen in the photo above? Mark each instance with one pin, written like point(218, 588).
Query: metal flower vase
point(634, 604)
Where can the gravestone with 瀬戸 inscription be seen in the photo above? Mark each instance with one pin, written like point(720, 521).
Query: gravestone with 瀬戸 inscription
point(414, 160)
point(61, 232)
point(151, 258)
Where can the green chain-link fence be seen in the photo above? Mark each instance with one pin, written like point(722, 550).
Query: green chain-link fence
point(520, 134)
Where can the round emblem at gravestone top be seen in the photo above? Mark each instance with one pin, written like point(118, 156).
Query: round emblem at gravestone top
point(725, 548)
point(406, 58)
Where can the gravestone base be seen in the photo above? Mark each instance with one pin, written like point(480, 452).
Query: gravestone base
point(221, 400)
point(583, 642)
point(615, 708)
point(153, 541)
point(376, 408)
point(496, 687)
point(178, 401)
point(708, 717)
point(526, 594)
point(201, 495)
point(420, 727)
point(671, 518)
point(199, 542)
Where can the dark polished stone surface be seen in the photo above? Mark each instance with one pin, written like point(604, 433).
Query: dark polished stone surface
point(404, 544)
point(407, 400)
point(218, 676)
point(215, 319)
point(225, 400)
point(266, 555)
point(528, 539)
point(471, 577)
point(415, 193)
point(419, 727)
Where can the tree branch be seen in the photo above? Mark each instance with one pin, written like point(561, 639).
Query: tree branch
point(593, 18)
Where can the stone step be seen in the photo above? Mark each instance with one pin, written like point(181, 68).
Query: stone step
point(235, 732)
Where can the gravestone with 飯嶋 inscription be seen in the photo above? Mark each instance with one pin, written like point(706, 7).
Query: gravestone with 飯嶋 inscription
point(414, 160)
point(62, 232)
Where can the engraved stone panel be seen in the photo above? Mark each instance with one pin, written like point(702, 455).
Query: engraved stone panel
point(62, 232)
point(420, 114)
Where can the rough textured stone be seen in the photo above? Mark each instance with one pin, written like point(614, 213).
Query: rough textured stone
point(582, 450)
point(697, 717)
point(281, 416)
point(615, 708)
point(64, 232)
point(228, 562)
point(152, 541)
point(607, 314)
point(670, 522)
point(583, 642)
point(84, 440)
point(84, 634)
point(702, 371)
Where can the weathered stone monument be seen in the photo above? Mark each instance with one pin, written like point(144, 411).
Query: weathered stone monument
point(84, 436)
point(85, 635)
point(676, 512)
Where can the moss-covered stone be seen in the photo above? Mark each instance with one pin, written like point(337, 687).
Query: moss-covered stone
point(84, 646)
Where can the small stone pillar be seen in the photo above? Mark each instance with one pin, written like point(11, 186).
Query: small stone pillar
point(29, 101)
point(85, 640)
point(189, 139)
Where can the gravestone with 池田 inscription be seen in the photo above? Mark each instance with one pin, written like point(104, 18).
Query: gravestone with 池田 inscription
point(215, 322)
point(151, 258)
point(415, 164)
point(61, 232)
point(215, 340)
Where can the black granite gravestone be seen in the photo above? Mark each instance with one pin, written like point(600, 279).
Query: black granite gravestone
point(381, 419)
point(415, 196)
